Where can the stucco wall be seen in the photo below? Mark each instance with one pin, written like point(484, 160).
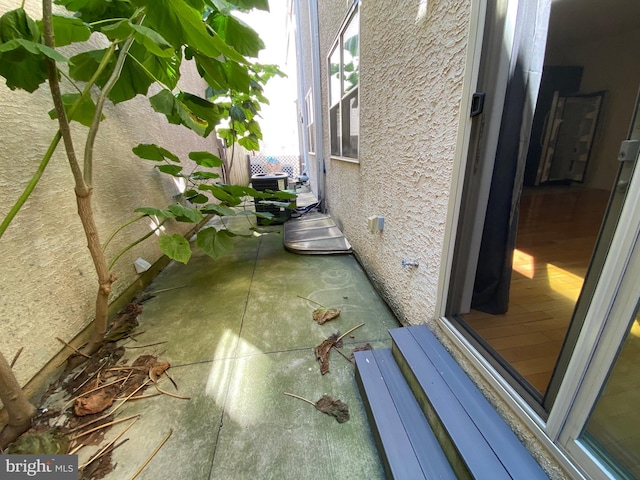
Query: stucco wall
point(411, 72)
point(47, 279)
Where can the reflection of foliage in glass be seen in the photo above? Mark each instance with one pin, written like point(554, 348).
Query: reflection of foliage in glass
point(334, 76)
point(351, 55)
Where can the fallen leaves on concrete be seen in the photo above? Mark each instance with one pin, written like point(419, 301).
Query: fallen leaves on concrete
point(323, 315)
point(322, 351)
point(94, 403)
point(329, 405)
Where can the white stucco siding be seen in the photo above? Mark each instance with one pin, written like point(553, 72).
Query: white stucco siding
point(412, 67)
point(47, 281)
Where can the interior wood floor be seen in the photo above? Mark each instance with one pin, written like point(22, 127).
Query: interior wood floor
point(557, 231)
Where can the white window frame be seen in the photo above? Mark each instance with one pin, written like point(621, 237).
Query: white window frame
point(338, 108)
point(309, 122)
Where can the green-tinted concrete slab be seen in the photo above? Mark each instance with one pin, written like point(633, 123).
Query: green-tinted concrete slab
point(189, 451)
point(201, 319)
point(277, 318)
point(269, 435)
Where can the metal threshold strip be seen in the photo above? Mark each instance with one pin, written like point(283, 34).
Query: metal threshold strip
point(314, 234)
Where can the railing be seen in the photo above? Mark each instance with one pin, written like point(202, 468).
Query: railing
point(265, 164)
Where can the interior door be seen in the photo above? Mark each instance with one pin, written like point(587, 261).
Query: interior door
point(568, 137)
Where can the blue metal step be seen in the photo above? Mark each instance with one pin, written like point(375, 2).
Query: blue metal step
point(408, 447)
point(464, 420)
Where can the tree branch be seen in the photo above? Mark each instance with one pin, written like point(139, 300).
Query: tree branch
point(54, 86)
point(95, 123)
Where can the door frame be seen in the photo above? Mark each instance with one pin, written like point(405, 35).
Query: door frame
point(598, 340)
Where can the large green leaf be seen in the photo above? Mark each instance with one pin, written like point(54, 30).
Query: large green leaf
point(179, 23)
point(22, 63)
point(16, 24)
point(176, 247)
point(206, 159)
point(166, 70)
point(214, 243)
point(83, 113)
point(222, 195)
point(207, 112)
point(153, 41)
point(245, 5)
point(151, 151)
point(237, 114)
point(84, 65)
point(96, 10)
point(249, 4)
point(173, 170)
point(190, 214)
point(224, 75)
point(158, 212)
point(68, 30)
point(133, 79)
point(218, 209)
point(250, 142)
point(236, 33)
point(199, 176)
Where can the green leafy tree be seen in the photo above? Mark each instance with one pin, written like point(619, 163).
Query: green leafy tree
point(147, 42)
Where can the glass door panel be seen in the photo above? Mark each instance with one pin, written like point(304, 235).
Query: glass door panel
point(612, 432)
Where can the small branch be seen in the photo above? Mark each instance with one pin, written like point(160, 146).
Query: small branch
point(149, 345)
point(347, 333)
point(300, 398)
point(309, 300)
point(119, 229)
point(15, 357)
point(133, 244)
point(171, 394)
point(120, 380)
point(107, 446)
point(95, 123)
point(56, 95)
point(104, 425)
point(144, 384)
point(162, 290)
point(142, 467)
point(73, 348)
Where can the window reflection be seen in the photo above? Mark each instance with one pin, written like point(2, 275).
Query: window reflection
point(613, 429)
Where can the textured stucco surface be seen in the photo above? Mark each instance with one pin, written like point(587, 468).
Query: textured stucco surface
point(412, 67)
point(47, 279)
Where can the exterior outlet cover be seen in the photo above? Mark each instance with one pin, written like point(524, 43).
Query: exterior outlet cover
point(141, 265)
point(376, 223)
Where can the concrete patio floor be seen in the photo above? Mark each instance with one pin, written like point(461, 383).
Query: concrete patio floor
point(238, 336)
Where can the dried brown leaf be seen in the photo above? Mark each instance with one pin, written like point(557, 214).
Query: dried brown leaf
point(334, 407)
point(94, 403)
point(323, 315)
point(323, 350)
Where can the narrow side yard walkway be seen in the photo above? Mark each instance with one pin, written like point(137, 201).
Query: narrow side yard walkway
point(238, 336)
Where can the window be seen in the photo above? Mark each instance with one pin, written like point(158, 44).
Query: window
point(311, 133)
point(344, 71)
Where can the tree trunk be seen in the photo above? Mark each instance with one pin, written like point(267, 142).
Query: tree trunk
point(105, 277)
point(15, 402)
